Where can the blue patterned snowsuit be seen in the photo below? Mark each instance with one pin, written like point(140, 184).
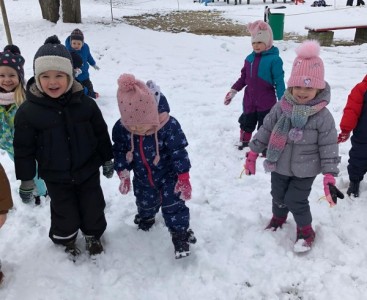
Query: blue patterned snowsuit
point(154, 185)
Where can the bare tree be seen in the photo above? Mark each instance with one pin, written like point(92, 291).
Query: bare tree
point(71, 11)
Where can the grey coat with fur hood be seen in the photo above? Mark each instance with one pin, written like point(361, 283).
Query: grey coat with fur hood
point(317, 152)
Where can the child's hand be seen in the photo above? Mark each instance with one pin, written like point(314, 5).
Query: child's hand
point(96, 67)
point(125, 184)
point(250, 164)
point(343, 137)
point(108, 169)
point(230, 95)
point(183, 186)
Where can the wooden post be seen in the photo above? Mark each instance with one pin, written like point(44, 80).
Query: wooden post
point(6, 23)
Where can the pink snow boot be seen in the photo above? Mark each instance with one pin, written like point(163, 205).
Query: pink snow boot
point(305, 238)
point(276, 222)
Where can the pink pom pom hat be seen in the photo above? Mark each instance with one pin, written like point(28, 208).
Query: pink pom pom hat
point(308, 68)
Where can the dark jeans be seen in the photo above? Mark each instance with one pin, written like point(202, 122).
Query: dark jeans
point(290, 194)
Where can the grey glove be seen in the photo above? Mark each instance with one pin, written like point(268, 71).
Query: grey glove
point(96, 67)
point(26, 191)
point(108, 169)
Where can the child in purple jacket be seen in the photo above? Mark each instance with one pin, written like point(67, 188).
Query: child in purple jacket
point(262, 76)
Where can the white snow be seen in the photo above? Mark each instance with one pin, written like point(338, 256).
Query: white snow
point(234, 258)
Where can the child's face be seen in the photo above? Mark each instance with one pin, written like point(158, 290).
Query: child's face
point(140, 129)
point(9, 79)
point(304, 94)
point(258, 47)
point(76, 44)
point(54, 83)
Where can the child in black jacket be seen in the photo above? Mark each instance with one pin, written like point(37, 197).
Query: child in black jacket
point(63, 130)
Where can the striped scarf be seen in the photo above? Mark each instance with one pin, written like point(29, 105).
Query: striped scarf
point(290, 124)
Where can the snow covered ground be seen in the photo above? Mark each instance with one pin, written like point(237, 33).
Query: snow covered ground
point(234, 257)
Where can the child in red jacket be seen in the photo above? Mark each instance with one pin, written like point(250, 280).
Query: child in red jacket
point(355, 119)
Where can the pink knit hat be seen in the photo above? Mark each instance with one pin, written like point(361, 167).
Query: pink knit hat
point(136, 102)
point(308, 68)
point(137, 106)
point(261, 32)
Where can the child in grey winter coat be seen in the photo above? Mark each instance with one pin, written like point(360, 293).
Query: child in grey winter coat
point(301, 139)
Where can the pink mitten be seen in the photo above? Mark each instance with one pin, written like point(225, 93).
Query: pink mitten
point(343, 137)
point(125, 184)
point(230, 95)
point(183, 186)
point(329, 179)
point(250, 164)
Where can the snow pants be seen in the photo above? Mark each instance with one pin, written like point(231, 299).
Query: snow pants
point(249, 121)
point(76, 206)
point(290, 194)
point(149, 199)
point(357, 163)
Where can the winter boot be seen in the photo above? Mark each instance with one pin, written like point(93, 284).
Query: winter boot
point(276, 222)
point(305, 238)
point(245, 138)
point(182, 241)
point(93, 245)
point(144, 224)
point(72, 250)
point(353, 188)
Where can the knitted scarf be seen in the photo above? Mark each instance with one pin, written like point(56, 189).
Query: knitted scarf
point(290, 124)
point(6, 98)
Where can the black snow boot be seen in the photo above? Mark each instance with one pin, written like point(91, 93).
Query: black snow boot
point(72, 249)
point(182, 241)
point(93, 245)
point(353, 188)
point(144, 224)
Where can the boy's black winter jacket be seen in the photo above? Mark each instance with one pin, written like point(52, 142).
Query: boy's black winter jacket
point(67, 136)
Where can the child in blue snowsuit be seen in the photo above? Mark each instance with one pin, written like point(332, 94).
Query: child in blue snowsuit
point(151, 143)
point(75, 42)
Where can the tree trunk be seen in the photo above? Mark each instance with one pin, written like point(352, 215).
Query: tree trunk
point(71, 11)
point(50, 10)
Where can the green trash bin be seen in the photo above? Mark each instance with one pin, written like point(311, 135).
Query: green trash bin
point(276, 22)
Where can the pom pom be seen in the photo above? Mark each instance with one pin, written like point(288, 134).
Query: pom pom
point(156, 159)
point(129, 157)
point(308, 49)
point(12, 48)
point(126, 82)
point(295, 134)
point(52, 40)
point(269, 166)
